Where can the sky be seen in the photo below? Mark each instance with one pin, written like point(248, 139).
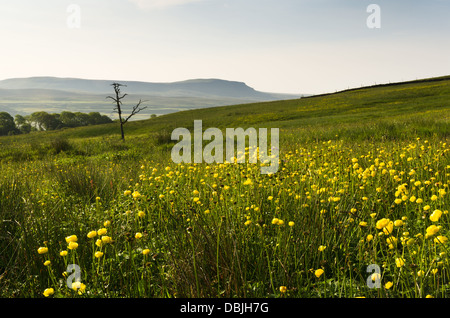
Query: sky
point(282, 46)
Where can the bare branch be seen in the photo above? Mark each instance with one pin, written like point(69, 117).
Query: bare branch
point(112, 98)
point(136, 109)
point(118, 85)
point(118, 109)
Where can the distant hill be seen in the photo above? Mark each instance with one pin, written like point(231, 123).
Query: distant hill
point(382, 112)
point(53, 94)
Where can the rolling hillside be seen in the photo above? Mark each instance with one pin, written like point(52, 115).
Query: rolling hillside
point(27, 95)
point(396, 105)
point(353, 164)
point(379, 113)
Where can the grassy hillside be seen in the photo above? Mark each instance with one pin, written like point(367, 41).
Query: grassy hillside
point(363, 181)
point(378, 113)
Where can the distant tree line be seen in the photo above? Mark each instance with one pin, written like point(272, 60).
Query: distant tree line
point(38, 121)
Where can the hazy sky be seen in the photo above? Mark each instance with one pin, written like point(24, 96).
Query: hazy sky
point(290, 46)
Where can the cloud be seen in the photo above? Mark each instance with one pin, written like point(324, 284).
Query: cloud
point(161, 4)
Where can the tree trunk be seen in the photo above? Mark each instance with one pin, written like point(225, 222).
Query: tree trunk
point(121, 130)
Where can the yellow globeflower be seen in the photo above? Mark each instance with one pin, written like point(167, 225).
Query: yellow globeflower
point(322, 248)
point(48, 292)
point(42, 250)
point(291, 223)
point(127, 192)
point(63, 253)
point(375, 277)
point(391, 240)
point(106, 239)
point(283, 289)
point(388, 285)
point(141, 214)
point(78, 286)
point(138, 235)
point(136, 195)
point(441, 239)
point(388, 228)
point(369, 237)
point(432, 230)
point(382, 223)
point(319, 272)
point(102, 231)
point(72, 246)
point(46, 263)
point(146, 251)
point(98, 254)
point(92, 234)
point(434, 217)
point(399, 262)
point(71, 238)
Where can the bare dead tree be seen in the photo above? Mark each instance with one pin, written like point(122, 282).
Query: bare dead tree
point(118, 106)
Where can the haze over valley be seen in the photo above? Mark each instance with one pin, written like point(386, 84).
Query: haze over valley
point(52, 94)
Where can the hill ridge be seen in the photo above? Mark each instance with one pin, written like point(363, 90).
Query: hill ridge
point(144, 87)
point(89, 94)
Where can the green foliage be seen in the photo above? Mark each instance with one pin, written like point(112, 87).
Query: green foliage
point(60, 144)
point(345, 159)
point(7, 125)
point(44, 121)
point(163, 137)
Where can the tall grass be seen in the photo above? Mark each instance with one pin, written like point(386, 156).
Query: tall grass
point(211, 234)
point(224, 230)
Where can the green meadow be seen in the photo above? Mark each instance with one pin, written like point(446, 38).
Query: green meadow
point(358, 207)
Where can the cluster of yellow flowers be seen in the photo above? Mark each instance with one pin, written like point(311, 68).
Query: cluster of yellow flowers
point(390, 203)
point(72, 245)
point(104, 239)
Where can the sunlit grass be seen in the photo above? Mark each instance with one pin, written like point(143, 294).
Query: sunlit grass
point(354, 189)
point(226, 230)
